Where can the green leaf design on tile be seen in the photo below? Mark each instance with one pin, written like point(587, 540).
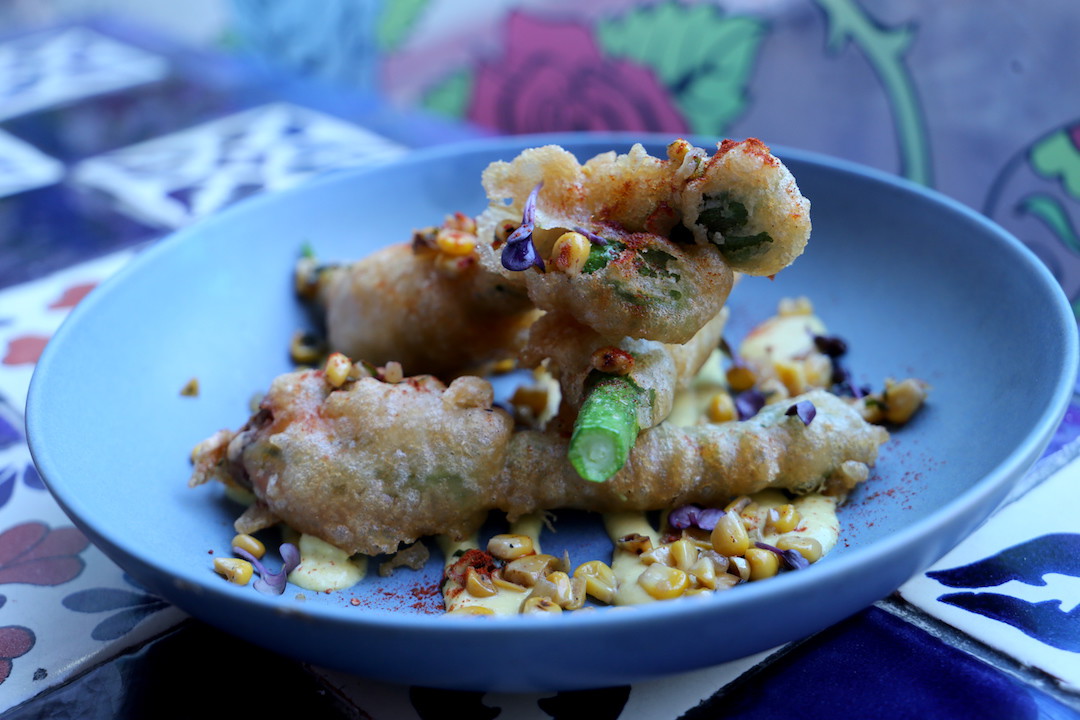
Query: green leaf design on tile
point(703, 56)
point(396, 21)
point(1054, 215)
point(1057, 157)
point(451, 96)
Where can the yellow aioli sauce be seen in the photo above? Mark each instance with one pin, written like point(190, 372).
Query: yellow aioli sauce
point(325, 568)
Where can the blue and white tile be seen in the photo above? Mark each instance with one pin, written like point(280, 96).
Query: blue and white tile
point(58, 67)
point(1014, 584)
point(23, 167)
point(173, 180)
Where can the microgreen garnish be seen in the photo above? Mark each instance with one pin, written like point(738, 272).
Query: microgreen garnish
point(805, 411)
point(692, 515)
point(593, 237)
point(748, 403)
point(832, 345)
point(792, 559)
point(520, 253)
point(272, 583)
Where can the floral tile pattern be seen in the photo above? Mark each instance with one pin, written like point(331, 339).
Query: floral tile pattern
point(24, 167)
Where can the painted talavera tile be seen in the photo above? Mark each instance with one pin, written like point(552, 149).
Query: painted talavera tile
point(176, 179)
point(59, 67)
point(24, 167)
point(1014, 584)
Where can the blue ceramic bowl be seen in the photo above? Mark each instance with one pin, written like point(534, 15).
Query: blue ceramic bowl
point(918, 285)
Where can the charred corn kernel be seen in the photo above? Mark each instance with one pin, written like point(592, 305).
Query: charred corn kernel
point(557, 587)
point(676, 151)
point(539, 605)
point(721, 408)
point(570, 253)
point(460, 221)
point(727, 580)
point(612, 360)
point(503, 584)
point(471, 610)
point(234, 570)
point(455, 242)
point(729, 536)
point(795, 306)
point(739, 567)
point(305, 348)
point(808, 547)
point(663, 582)
point(337, 369)
point(528, 569)
point(249, 543)
point(392, 372)
point(600, 582)
point(792, 376)
point(510, 547)
point(738, 504)
point(903, 399)
point(659, 554)
point(683, 554)
point(763, 563)
point(478, 585)
point(634, 543)
point(740, 377)
point(782, 519)
point(534, 399)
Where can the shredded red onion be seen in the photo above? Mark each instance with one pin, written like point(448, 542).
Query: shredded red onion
point(748, 403)
point(593, 237)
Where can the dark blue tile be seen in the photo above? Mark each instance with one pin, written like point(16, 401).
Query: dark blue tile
point(876, 665)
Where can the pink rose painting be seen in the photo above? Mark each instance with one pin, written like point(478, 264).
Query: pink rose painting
point(553, 76)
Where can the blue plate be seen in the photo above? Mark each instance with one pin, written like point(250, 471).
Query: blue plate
point(917, 284)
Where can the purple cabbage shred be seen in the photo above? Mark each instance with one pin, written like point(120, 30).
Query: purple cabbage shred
point(520, 251)
point(593, 237)
point(804, 409)
point(692, 515)
point(792, 559)
point(748, 403)
point(273, 583)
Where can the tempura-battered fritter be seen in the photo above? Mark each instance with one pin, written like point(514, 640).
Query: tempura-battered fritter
point(663, 237)
point(373, 464)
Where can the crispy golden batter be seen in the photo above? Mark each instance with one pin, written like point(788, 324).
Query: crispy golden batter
point(375, 464)
point(432, 313)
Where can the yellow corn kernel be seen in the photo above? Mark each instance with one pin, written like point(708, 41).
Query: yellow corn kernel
point(792, 376)
point(704, 573)
point(721, 408)
point(510, 547)
point(663, 582)
point(740, 377)
point(739, 567)
point(612, 360)
point(903, 399)
point(337, 369)
point(782, 519)
point(234, 570)
point(570, 253)
point(557, 587)
point(763, 563)
point(249, 543)
point(392, 372)
point(503, 231)
point(738, 504)
point(539, 605)
point(818, 369)
point(600, 582)
point(526, 570)
point(659, 554)
point(478, 585)
point(460, 221)
point(471, 610)
point(455, 242)
point(684, 554)
point(635, 543)
point(676, 151)
point(305, 348)
point(795, 306)
point(729, 537)
point(725, 581)
point(808, 547)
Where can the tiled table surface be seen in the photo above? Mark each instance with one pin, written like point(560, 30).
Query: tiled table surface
point(109, 140)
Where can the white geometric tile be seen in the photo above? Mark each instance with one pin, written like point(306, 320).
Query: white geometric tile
point(1014, 584)
point(57, 67)
point(173, 180)
point(24, 167)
